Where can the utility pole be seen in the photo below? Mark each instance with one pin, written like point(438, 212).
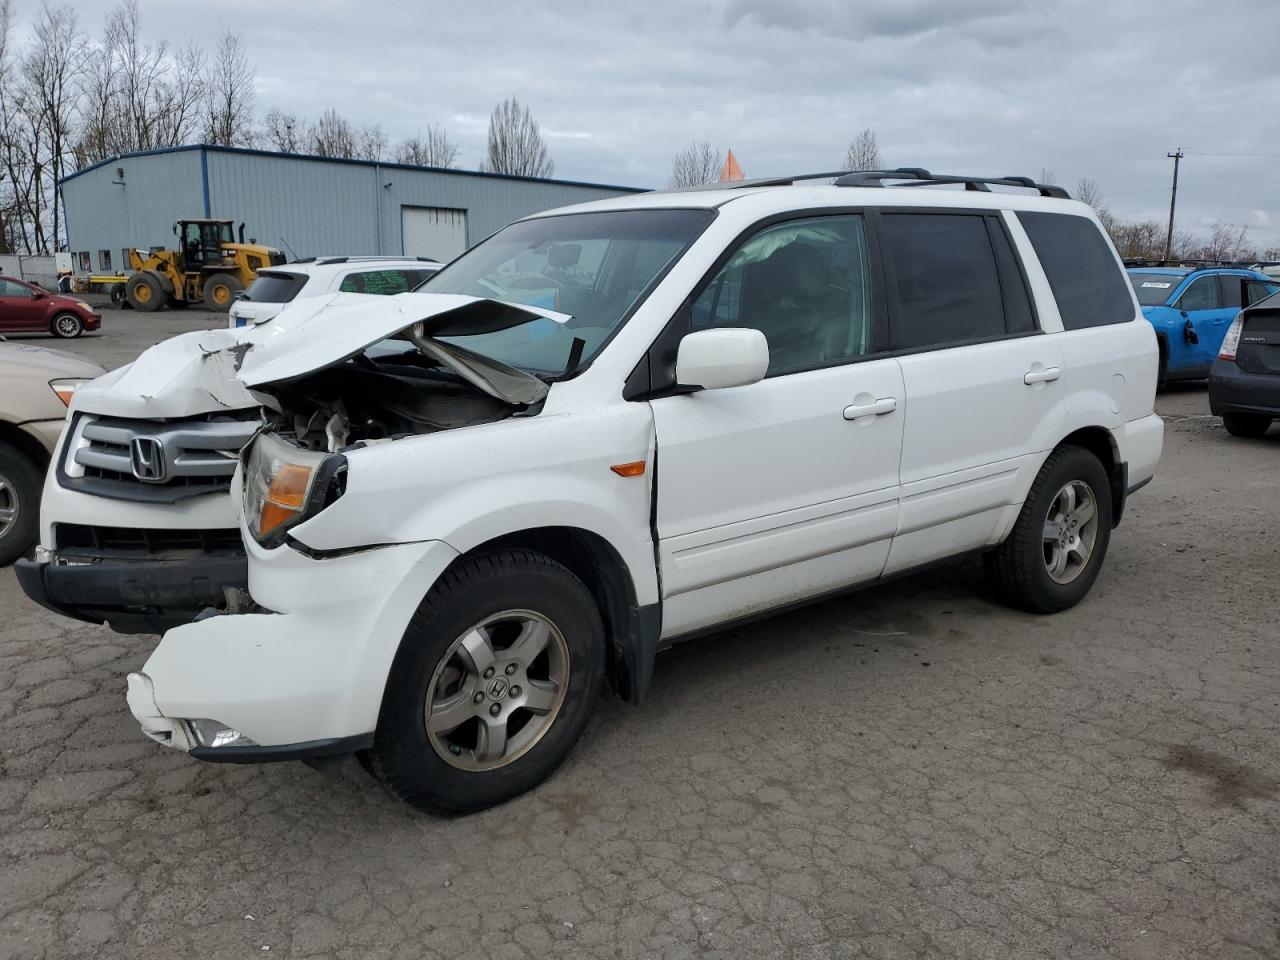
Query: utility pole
point(1173, 199)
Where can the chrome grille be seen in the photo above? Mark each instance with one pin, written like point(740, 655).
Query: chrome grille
point(156, 460)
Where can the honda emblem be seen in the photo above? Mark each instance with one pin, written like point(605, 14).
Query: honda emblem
point(146, 456)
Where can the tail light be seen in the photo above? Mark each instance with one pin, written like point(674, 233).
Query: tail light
point(1231, 342)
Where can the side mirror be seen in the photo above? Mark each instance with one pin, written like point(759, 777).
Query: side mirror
point(726, 357)
point(38, 294)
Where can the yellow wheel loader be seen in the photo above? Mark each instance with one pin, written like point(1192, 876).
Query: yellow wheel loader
point(210, 266)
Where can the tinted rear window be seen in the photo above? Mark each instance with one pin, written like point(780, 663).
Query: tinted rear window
point(273, 286)
point(1154, 289)
point(1083, 274)
point(948, 287)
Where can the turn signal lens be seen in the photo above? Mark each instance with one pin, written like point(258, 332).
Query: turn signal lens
point(286, 496)
point(65, 389)
point(634, 469)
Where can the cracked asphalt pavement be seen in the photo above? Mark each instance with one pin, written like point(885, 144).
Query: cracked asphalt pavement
point(910, 771)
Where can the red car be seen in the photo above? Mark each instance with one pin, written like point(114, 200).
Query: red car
point(26, 308)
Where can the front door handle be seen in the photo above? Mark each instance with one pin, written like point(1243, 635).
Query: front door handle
point(876, 408)
point(1043, 375)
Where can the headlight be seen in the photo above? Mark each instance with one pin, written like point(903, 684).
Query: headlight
point(84, 306)
point(284, 485)
point(65, 389)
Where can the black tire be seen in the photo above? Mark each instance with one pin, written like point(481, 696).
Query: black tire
point(220, 291)
point(1018, 568)
point(117, 293)
point(66, 326)
point(404, 758)
point(143, 291)
point(20, 483)
point(1162, 371)
point(1246, 424)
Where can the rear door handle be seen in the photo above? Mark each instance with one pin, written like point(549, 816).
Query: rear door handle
point(876, 408)
point(1045, 375)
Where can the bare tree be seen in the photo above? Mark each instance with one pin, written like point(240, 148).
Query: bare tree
point(48, 91)
point(371, 143)
point(332, 136)
point(695, 165)
point(516, 146)
point(433, 150)
point(231, 99)
point(1227, 241)
point(863, 152)
point(1088, 192)
point(282, 131)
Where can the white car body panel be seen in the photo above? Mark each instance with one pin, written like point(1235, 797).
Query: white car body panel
point(762, 477)
point(766, 494)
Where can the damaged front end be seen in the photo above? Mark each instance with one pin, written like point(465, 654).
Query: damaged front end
point(408, 381)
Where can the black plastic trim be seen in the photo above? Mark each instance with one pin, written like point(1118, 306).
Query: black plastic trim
point(307, 750)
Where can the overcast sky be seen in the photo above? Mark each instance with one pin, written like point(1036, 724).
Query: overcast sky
point(1096, 88)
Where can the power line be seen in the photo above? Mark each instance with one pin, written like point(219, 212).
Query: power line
point(1199, 153)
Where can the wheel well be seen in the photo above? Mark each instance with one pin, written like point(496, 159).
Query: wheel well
point(595, 562)
point(1099, 442)
point(26, 443)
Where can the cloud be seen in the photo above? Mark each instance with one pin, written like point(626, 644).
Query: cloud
point(1088, 88)
point(1260, 218)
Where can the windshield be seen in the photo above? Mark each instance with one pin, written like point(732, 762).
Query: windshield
point(596, 267)
point(1154, 289)
point(274, 286)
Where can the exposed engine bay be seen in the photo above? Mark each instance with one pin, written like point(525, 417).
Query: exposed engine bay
point(364, 399)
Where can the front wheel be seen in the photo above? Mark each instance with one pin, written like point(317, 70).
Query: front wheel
point(1055, 551)
point(496, 678)
point(220, 290)
point(20, 482)
point(1246, 424)
point(66, 326)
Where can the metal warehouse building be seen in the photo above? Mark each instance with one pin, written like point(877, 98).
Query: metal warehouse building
point(307, 206)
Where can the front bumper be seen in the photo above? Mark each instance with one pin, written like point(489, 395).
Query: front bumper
point(308, 675)
point(146, 596)
point(1232, 390)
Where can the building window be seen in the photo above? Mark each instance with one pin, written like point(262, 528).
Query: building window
point(125, 263)
point(104, 261)
point(86, 265)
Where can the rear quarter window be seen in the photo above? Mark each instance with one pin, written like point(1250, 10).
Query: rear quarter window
point(275, 286)
point(1083, 273)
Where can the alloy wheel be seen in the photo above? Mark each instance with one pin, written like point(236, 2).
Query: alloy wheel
point(497, 690)
point(1070, 531)
point(9, 505)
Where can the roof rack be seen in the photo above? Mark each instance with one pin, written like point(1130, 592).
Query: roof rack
point(1190, 263)
point(918, 176)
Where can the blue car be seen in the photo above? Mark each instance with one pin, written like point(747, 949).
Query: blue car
point(1191, 309)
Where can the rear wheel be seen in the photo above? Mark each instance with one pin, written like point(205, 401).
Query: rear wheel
point(1056, 549)
point(20, 481)
point(1246, 424)
point(66, 325)
point(495, 680)
point(220, 290)
point(143, 292)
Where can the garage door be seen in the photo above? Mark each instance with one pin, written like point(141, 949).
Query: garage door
point(435, 232)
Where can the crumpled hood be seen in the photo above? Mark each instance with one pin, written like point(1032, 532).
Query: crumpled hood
point(194, 372)
point(348, 330)
point(210, 370)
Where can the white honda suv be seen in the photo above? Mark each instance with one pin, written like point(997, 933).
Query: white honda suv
point(620, 424)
